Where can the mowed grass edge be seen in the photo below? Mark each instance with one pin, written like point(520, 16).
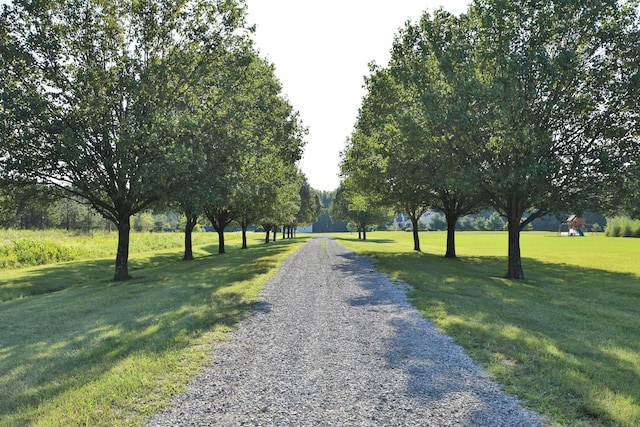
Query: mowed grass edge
point(565, 341)
point(83, 350)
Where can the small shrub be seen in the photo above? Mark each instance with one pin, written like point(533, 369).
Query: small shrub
point(613, 227)
point(37, 252)
point(24, 248)
point(623, 227)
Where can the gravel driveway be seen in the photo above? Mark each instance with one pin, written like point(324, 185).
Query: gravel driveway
point(333, 343)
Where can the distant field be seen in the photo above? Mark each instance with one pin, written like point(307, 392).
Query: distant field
point(592, 250)
point(78, 349)
point(566, 340)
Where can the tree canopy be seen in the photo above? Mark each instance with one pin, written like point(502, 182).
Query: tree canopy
point(357, 207)
point(555, 111)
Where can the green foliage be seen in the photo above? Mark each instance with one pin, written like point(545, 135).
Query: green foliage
point(325, 223)
point(469, 223)
point(495, 222)
point(28, 252)
point(466, 223)
point(359, 208)
point(437, 223)
point(551, 144)
point(143, 221)
point(121, 136)
point(622, 227)
point(564, 341)
point(310, 206)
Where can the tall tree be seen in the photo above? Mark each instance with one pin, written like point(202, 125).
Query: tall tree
point(382, 161)
point(210, 121)
point(309, 208)
point(353, 205)
point(275, 139)
point(97, 84)
point(555, 104)
point(250, 139)
point(432, 63)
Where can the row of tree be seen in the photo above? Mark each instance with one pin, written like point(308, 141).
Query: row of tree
point(132, 106)
point(527, 108)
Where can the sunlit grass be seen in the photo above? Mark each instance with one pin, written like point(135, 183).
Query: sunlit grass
point(83, 350)
point(25, 248)
point(565, 340)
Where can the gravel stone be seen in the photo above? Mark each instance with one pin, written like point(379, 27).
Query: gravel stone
point(332, 342)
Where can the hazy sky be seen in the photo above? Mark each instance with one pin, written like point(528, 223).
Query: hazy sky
point(321, 49)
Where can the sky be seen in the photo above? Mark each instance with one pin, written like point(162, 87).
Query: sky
point(321, 50)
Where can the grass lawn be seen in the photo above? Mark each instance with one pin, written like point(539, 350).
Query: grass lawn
point(78, 349)
point(566, 340)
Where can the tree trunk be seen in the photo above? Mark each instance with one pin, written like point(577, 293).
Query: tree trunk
point(515, 261)
point(284, 232)
point(192, 220)
point(359, 233)
point(364, 231)
point(221, 240)
point(122, 258)
point(220, 218)
point(275, 233)
point(416, 236)
point(267, 232)
point(451, 235)
point(244, 226)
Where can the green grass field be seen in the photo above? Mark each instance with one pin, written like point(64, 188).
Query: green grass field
point(79, 349)
point(566, 340)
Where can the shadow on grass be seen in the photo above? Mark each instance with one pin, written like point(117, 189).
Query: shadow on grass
point(370, 240)
point(70, 337)
point(565, 339)
point(380, 240)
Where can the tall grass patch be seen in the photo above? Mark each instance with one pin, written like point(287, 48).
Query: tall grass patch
point(26, 252)
point(26, 248)
point(94, 352)
point(565, 340)
point(623, 227)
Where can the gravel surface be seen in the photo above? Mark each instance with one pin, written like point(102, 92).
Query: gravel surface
point(333, 343)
